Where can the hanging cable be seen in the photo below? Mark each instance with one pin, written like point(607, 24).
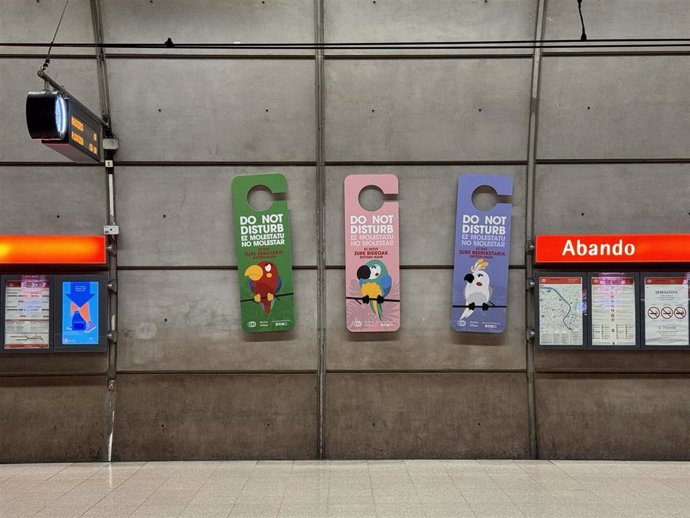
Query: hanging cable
point(50, 47)
point(583, 36)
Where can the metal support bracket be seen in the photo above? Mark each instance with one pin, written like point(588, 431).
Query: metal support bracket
point(52, 82)
point(111, 230)
point(112, 144)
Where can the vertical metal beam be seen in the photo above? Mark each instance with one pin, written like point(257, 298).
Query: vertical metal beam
point(529, 226)
point(321, 224)
point(111, 220)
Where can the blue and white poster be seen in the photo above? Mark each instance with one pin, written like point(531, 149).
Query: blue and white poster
point(80, 313)
point(482, 255)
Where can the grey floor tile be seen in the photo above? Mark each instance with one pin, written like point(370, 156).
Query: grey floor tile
point(255, 510)
point(352, 510)
point(375, 488)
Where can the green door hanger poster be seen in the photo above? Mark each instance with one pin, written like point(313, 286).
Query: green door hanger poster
point(264, 256)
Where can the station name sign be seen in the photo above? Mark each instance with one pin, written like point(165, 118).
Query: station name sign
point(612, 248)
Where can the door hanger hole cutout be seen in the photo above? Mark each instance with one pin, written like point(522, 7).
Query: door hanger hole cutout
point(371, 198)
point(485, 198)
point(260, 198)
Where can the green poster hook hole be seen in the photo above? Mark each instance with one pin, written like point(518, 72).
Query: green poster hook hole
point(260, 198)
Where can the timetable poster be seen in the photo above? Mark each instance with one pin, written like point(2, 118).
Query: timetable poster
point(666, 311)
point(613, 311)
point(561, 307)
point(80, 312)
point(27, 313)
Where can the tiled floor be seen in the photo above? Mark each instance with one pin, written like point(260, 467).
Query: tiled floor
point(339, 488)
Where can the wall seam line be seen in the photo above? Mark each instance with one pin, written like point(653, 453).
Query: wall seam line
point(529, 229)
point(321, 225)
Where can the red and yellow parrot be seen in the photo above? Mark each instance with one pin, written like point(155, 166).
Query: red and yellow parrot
point(265, 282)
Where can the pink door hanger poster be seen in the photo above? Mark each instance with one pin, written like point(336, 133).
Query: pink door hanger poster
point(372, 257)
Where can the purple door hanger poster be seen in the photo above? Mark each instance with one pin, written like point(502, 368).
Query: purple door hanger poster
point(482, 254)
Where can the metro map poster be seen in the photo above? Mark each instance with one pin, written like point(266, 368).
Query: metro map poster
point(80, 312)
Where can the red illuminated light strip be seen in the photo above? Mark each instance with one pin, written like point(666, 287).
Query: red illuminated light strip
point(613, 248)
point(52, 250)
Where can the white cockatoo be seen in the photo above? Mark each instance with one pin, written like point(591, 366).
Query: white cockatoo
point(478, 288)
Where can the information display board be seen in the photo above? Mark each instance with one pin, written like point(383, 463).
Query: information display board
point(561, 310)
point(614, 310)
point(62, 123)
point(665, 310)
point(621, 310)
point(80, 313)
point(26, 311)
point(84, 133)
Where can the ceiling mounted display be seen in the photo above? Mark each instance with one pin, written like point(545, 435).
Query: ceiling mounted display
point(63, 124)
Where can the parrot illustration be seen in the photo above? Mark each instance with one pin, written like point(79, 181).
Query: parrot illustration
point(375, 284)
point(265, 283)
point(478, 289)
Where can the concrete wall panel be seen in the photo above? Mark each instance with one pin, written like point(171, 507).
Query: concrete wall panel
point(428, 200)
point(607, 417)
point(211, 110)
point(171, 417)
point(425, 339)
point(177, 216)
point(52, 200)
point(618, 19)
point(400, 415)
point(34, 22)
point(365, 21)
point(612, 361)
point(401, 110)
point(190, 320)
point(614, 107)
point(37, 364)
point(208, 21)
point(615, 198)
point(52, 419)
point(17, 79)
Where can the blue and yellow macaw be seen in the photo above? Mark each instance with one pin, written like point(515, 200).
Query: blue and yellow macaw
point(375, 284)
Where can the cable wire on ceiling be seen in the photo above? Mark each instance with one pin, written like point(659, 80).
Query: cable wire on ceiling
point(583, 36)
point(52, 42)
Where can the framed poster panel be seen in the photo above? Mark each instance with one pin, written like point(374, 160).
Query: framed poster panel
point(664, 308)
point(81, 321)
point(26, 313)
point(561, 314)
point(613, 310)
